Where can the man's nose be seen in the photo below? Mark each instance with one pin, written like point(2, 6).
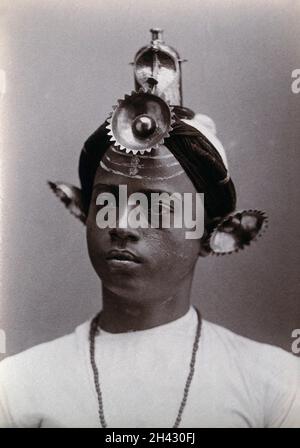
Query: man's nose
point(124, 234)
point(124, 229)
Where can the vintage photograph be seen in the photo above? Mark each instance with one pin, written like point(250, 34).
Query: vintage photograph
point(149, 214)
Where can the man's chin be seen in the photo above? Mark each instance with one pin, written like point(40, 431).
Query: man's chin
point(135, 291)
point(126, 287)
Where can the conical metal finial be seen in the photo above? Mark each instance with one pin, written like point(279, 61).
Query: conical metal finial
point(157, 35)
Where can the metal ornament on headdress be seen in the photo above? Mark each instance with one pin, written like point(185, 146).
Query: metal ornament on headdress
point(237, 230)
point(140, 122)
point(158, 67)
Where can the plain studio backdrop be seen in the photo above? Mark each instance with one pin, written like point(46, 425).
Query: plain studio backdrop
point(66, 64)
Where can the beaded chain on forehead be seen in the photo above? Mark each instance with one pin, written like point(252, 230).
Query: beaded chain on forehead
point(95, 330)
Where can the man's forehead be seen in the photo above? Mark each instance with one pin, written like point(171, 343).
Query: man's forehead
point(157, 170)
point(160, 164)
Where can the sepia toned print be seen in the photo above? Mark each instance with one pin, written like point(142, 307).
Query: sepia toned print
point(143, 346)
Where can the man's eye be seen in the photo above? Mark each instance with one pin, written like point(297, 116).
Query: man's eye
point(107, 204)
point(106, 200)
point(161, 209)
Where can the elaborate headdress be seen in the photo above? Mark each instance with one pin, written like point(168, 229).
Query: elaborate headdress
point(152, 116)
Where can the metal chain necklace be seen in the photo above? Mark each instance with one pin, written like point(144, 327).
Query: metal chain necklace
point(94, 330)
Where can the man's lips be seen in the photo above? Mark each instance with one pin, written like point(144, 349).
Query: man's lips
point(123, 255)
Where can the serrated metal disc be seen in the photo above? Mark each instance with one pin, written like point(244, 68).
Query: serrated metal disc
point(238, 230)
point(121, 120)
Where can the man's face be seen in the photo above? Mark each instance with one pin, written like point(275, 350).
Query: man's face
point(141, 263)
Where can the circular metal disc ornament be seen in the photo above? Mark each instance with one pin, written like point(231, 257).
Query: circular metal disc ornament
point(237, 230)
point(140, 122)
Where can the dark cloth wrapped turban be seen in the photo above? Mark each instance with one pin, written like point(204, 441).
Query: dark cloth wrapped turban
point(196, 154)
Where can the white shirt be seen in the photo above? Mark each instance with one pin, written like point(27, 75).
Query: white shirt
point(237, 382)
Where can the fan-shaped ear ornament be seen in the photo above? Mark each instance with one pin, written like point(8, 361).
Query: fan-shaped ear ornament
point(140, 122)
point(70, 196)
point(237, 230)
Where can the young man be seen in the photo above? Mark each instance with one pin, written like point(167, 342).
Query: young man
point(148, 359)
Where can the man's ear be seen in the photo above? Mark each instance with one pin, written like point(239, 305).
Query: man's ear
point(71, 197)
point(237, 230)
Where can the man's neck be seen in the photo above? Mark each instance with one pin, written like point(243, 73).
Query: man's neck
point(121, 315)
